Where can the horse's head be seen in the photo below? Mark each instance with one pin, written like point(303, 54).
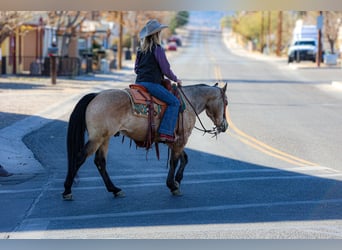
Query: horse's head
point(216, 109)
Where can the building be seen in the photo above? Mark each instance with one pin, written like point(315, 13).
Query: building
point(26, 48)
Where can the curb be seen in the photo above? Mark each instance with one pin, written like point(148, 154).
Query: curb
point(14, 155)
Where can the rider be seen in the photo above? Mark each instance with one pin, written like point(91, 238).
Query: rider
point(150, 66)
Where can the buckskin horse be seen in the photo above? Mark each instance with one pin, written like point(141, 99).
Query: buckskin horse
point(110, 112)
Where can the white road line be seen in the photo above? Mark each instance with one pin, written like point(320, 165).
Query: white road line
point(225, 231)
point(237, 179)
point(243, 171)
point(187, 182)
point(41, 223)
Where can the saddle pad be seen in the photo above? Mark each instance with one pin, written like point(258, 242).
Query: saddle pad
point(139, 97)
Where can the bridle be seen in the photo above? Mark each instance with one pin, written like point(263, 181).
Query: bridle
point(215, 130)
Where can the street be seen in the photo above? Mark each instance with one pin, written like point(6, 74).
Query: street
point(275, 174)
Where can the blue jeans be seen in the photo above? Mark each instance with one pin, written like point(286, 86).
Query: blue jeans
point(169, 120)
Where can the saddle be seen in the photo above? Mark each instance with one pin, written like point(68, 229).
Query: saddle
point(145, 105)
point(143, 102)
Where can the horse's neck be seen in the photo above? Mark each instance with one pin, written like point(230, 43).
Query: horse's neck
point(198, 97)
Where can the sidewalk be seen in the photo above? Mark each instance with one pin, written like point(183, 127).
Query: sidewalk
point(231, 43)
point(237, 49)
point(27, 104)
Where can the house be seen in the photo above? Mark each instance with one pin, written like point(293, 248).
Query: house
point(26, 47)
point(26, 51)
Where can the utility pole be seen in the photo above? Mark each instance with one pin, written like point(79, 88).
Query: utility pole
point(280, 32)
point(262, 33)
point(53, 69)
point(319, 27)
point(52, 51)
point(119, 55)
point(268, 41)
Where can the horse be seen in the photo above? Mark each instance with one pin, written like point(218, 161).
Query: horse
point(109, 113)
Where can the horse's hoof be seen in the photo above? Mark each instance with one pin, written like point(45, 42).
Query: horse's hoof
point(177, 184)
point(119, 194)
point(67, 197)
point(176, 192)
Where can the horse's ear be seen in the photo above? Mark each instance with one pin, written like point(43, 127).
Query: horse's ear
point(225, 87)
point(216, 84)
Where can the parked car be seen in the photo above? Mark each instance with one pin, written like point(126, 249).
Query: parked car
point(171, 46)
point(176, 39)
point(304, 49)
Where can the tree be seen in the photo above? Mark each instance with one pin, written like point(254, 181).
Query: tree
point(180, 19)
point(249, 25)
point(254, 25)
point(67, 23)
point(131, 22)
point(10, 21)
point(332, 22)
point(226, 22)
point(135, 20)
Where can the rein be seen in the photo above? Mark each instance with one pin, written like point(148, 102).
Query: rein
point(203, 129)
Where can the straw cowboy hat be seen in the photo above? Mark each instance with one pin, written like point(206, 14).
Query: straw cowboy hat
point(151, 27)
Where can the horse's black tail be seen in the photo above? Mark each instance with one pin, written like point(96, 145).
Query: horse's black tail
point(76, 130)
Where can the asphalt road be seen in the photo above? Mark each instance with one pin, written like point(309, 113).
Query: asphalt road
point(276, 173)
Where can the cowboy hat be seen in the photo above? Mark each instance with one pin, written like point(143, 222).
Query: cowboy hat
point(151, 27)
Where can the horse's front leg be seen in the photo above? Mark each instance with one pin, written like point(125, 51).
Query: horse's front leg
point(183, 162)
point(170, 181)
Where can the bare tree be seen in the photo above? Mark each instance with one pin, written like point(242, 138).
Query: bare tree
point(67, 24)
point(332, 22)
point(135, 20)
point(132, 22)
point(10, 21)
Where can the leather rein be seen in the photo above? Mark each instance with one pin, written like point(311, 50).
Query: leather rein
point(213, 131)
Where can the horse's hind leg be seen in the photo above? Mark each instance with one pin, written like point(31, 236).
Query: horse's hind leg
point(87, 150)
point(100, 162)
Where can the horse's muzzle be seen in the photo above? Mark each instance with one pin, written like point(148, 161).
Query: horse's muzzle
point(223, 126)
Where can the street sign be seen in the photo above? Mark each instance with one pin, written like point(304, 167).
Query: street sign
point(319, 22)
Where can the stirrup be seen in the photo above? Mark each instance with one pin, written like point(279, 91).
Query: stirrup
point(167, 138)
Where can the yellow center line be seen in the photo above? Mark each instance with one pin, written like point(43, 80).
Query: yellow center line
point(265, 151)
point(253, 142)
point(266, 148)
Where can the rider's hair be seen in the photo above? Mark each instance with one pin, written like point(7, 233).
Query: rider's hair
point(148, 42)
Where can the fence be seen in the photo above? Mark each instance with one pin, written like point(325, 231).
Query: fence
point(27, 65)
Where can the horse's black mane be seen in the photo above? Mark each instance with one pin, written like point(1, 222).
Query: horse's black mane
point(199, 85)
